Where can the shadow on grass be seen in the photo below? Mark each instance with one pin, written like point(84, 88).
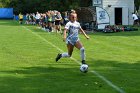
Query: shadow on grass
point(115, 65)
point(35, 29)
point(9, 23)
point(12, 23)
point(123, 74)
point(63, 79)
point(43, 80)
point(126, 33)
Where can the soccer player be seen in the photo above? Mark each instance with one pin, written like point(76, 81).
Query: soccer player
point(72, 39)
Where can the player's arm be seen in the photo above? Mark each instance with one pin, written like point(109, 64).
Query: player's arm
point(64, 34)
point(83, 32)
point(65, 31)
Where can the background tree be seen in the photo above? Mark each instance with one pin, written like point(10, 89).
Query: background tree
point(4, 3)
point(137, 4)
point(30, 6)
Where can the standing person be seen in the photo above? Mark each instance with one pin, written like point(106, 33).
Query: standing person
point(49, 21)
point(66, 19)
point(136, 19)
point(38, 16)
point(27, 19)
point(73, 27)
point(58, 19)
point(20, 18)
point(53, 20)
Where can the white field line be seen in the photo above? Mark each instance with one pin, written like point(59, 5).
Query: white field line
point(94, 72)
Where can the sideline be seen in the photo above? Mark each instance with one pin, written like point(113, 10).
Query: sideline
point(94, 72)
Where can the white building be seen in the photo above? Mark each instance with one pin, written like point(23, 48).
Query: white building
point(120, 11)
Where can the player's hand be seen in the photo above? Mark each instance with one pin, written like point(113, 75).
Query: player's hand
point(87, 37)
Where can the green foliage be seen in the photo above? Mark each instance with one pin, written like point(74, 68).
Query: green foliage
point(4, 3)
point(137, 4)
point(44, 5)
point(29, 6)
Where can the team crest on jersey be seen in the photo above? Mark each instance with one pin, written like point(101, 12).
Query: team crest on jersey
point(74, 27)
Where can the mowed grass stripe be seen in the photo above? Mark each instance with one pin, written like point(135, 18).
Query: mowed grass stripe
point(109, 46)
point(26, 67)
point(102, 60)
point(115, 64)
point(110, 59)
point(94, 72)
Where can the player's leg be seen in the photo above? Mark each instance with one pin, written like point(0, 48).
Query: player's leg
point(70, 50)
point(82, 51)
point(19, 21)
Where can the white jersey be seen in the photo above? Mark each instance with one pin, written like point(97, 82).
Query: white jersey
point(38, 16)
point(73, 29)
point(135, 17)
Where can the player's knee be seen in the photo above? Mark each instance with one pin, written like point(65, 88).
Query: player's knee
point(82, 49)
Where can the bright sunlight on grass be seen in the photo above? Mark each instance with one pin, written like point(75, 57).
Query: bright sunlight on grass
point(27, 62)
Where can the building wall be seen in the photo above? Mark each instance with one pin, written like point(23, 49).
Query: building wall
point(119, 4)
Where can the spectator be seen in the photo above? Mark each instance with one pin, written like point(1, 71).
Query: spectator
point(53, 19)
point(38, 16)
point(49, 21)
point(58, 19)
point(27, 19)
point(20, 18)
point(135, 18)
point(66, 19)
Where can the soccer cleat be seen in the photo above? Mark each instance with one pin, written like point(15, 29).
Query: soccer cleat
point(83, 62)
point(58, 57)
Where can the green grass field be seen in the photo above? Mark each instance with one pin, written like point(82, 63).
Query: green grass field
point(27, 62)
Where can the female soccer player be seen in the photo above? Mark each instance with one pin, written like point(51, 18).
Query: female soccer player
point(72, 39)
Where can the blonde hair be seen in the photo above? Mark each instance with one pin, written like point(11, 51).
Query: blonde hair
point(73, 11)
point(73, 15)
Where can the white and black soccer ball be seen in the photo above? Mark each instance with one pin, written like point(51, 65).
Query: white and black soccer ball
point(84, 68)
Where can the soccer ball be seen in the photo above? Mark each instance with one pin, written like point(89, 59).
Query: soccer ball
point(84, 68)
